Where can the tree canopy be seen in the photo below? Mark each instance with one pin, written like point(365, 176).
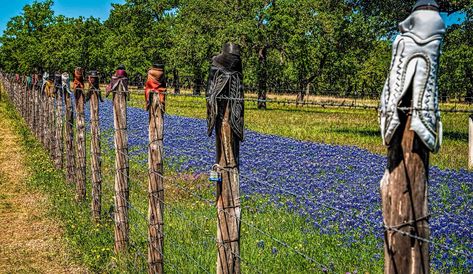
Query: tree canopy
point(338, 47)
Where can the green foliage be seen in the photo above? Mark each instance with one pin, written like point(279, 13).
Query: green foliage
point(340, 46)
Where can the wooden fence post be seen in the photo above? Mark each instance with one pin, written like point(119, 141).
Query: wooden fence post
point(229, 133)
point(404, 200)
point(96, 161)
point(59, 122)
point(34, 106)
point(46, 118)
point(41, 111)
point(52, 125)
point(119, 86)
point(80, 137)
point(408, 113)
point(155, 105)
point(69, 131)
point(470, 141)
point(29, 103)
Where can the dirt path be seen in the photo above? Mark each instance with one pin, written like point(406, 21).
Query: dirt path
point(30, 242)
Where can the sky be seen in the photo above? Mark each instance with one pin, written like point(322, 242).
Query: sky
point(68, 8)
point(100, 9)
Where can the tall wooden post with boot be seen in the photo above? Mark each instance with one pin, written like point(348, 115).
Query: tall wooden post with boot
point(225, 109)
point(119, 87)
point(94, 96)
point(58, 155)
point(411, 128)
point(69, 130)
point(155, 102)
point(79, 94)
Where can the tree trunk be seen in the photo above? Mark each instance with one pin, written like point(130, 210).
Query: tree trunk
point(404, 203)
point(262, 78)
point(300, 92)
point(96, 161)
point(121, 169)
point(69, 136)
point(228, 197)
point(81, 147)
point(177, 84)
point(156, 186)
point(197, 83)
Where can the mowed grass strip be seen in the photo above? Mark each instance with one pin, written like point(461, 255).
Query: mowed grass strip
point(338, 126)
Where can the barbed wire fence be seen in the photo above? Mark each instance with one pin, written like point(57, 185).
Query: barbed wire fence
point(189, 203)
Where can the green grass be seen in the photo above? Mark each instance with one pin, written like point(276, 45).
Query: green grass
point(190, 222)
point(340, 126)
point(190, 226)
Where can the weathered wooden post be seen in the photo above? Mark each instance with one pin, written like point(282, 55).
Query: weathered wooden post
point(69, 130)
point(30, 102)
point(119, 87)
point(155, 102)
point(36, 82)
point(470, 140)
point(226, 116)
point(40, 111)
point(411, 128)
point(47, 86)
point(94, 97)
point(27, 103)
point(80, 137)
point(58, 155)
point(52, 120)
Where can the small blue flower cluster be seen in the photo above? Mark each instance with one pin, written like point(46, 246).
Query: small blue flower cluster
point(334, 187)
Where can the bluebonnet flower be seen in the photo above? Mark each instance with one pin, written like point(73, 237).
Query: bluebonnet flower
point(335, 187)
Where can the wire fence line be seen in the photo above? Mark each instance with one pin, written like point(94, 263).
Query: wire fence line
point(173, 181)
point(342, 102)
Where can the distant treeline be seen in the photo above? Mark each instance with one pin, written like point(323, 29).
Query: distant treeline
point(288, 45)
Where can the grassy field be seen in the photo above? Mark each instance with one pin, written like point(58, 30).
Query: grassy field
point(190, 226)
point(340, 126)
point(190, 245)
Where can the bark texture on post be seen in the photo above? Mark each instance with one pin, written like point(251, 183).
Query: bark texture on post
point(470, 140)
point(226, 116)
point(59, 162)
point(41, 115)
point(120, 92)
point(228, 198)
point(96, 161)
point(52, 127)
point(69, 133)
point(81, 146)
point(155, 105)
point(80, 135)
point(404, 203)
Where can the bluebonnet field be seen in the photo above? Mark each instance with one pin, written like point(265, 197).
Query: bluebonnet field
point(334, 187)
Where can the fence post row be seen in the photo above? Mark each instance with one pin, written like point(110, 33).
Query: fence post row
point(226, 116)
point(155, 104)
point(96, 162)
point(404, 185)
point(119, 87)
point(80, 137)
